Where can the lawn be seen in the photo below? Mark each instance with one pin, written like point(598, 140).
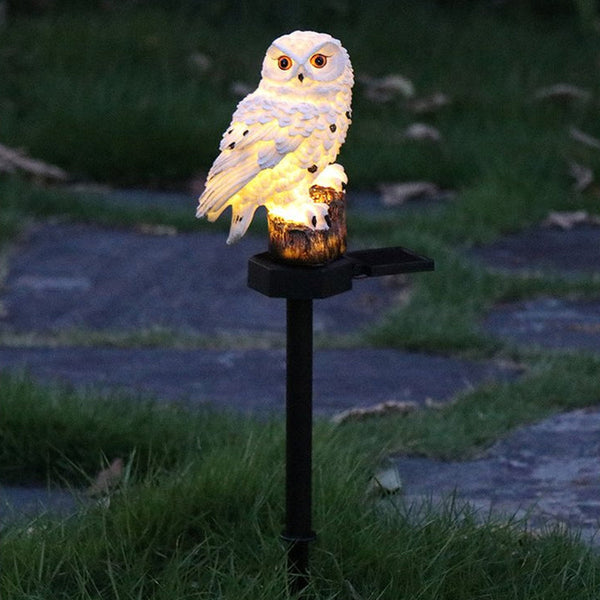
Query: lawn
point(138, 95)
point(198, 512)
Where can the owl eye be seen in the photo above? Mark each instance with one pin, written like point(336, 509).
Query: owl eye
point(318, 60)
point(284, 62)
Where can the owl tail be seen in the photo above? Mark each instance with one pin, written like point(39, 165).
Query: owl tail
point(240, 221)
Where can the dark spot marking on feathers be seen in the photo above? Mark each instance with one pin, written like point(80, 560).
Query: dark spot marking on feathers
point(348, 114)
point(314, 221)
point(328, 220)
point(246, 132)
point(231, 146)
point(332, 127)
point(312, 169)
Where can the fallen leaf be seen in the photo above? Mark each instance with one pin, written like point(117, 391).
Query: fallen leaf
point(387, 88)
point(354, 595)
point(422, 132)
point(107, 479)
point(377, 410)
point(562, 92)
point(584, 138)
point(434, 404)
point(395, 194)
point(197, 184)
point(385, 482)
point(200, 62)
point(158, 230)
point(240, 88)
point(12, 160)
point(593, 328)
point(429, 104)
point(584, 176)
point(568, 219)
point(89, 188)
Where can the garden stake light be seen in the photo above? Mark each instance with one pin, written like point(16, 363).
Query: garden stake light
point(279, 151)
point(300, 284)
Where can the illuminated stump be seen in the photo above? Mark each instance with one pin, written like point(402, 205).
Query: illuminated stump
point(296, 243)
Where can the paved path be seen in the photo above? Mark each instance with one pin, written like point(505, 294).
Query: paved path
point(254, 380)
point(547, 473)
point(70, 276)
point(570, 252)
point(546, 322)
point(65, 276)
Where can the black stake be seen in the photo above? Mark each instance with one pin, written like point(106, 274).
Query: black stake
point(300, 285)
point(298, 532)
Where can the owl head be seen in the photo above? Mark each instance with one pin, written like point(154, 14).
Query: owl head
point(305, 59)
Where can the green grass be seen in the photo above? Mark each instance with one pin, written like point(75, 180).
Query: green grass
point(112, 96)
point(116, 97)
point(200, 511)
point(446, 311)
point(60, 434)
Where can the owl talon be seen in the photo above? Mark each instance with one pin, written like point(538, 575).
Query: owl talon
point(318, 216)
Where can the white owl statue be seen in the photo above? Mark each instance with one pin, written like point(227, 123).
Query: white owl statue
point(284, 137)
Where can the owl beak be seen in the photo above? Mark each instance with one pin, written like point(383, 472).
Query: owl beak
point(301, 77)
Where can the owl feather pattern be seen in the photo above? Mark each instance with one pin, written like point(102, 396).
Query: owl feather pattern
point(285, 136)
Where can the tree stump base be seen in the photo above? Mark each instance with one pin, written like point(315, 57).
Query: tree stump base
point(295, 243)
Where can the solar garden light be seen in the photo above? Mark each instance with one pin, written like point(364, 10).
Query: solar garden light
point(300, 280)
point(279, 151)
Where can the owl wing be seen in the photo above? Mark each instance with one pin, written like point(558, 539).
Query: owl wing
point(258, 138)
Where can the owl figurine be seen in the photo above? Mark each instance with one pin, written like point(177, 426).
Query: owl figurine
point(285, 136)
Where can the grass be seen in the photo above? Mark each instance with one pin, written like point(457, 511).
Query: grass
point(200, 511)
point(121, 92)
point(444, 556)
point(115, 96)
point(60, 434)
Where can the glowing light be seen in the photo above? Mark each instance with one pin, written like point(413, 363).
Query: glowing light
point(292, 241)
point(297, 214)
point(284, 138)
